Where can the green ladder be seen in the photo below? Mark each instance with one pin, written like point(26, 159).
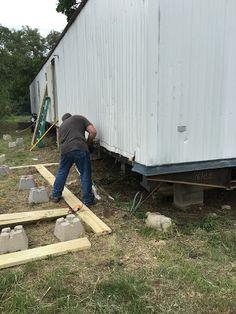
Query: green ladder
point(42, 121)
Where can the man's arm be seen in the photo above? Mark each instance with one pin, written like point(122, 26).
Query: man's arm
point(92, 132)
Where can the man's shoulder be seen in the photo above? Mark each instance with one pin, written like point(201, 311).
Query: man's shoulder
point(79, 117)
point(83, 119)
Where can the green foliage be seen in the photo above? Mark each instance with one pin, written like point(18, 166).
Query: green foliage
point(22, 52)
point(67, 7)
point(51, 39)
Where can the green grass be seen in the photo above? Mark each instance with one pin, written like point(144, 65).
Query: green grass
point(209, 223)
point(23, 292)
point(223, 243)
point(150, 233)
point(22, 155)
point(208, 288)
point(122, 293)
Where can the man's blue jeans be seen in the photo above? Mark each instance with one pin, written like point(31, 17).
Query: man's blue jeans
point(83, 163)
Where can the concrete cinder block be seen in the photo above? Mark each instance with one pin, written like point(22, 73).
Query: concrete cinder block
point(26, 182)
point(18, 239)
point(13, 240)
point(11, 144)
point(68, 228)
point(19, 141)
point(158, 221)
point(187, 195)
point(6, 137)
point(4, 170)
point(38, 195)
point(226, 207)
point(4, 240)
point(2, 158)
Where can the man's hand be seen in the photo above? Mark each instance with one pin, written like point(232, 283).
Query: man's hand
point(92, 134)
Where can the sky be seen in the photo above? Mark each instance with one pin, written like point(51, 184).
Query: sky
point(39, 14)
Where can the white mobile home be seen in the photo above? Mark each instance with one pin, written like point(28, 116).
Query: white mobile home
point(156, 77)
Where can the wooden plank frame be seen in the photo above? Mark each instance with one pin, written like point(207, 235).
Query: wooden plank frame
point(85, 214)
point(42, 252)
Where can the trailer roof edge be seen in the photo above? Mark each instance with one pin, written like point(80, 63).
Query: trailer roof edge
point(71, 21)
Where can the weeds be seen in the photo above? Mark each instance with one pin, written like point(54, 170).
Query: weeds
point(224, 241)
point(208, 223)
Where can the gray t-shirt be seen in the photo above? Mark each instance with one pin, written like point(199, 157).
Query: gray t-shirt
point(72, 134)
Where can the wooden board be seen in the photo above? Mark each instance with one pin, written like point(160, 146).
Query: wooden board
point(32, 216)
point(42, 252)
point(31, 166)
point(219, 178)
point(85, 214)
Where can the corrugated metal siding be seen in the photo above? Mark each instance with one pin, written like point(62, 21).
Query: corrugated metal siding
point(37, 90)
point(105, 72)
point(143, 70)
point(197, 46)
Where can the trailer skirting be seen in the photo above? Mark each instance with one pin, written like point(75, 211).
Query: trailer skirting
point(183, 167)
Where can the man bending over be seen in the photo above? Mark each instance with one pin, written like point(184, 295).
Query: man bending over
point(75, 150)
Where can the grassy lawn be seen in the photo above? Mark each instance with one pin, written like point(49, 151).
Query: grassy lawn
point(134, 270)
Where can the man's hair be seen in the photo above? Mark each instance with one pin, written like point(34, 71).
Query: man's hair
point(65, 116)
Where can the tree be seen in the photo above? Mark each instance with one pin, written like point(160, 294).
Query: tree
point(67, 7)
point(51, 39)
point(6, 68)
point(22, 52)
